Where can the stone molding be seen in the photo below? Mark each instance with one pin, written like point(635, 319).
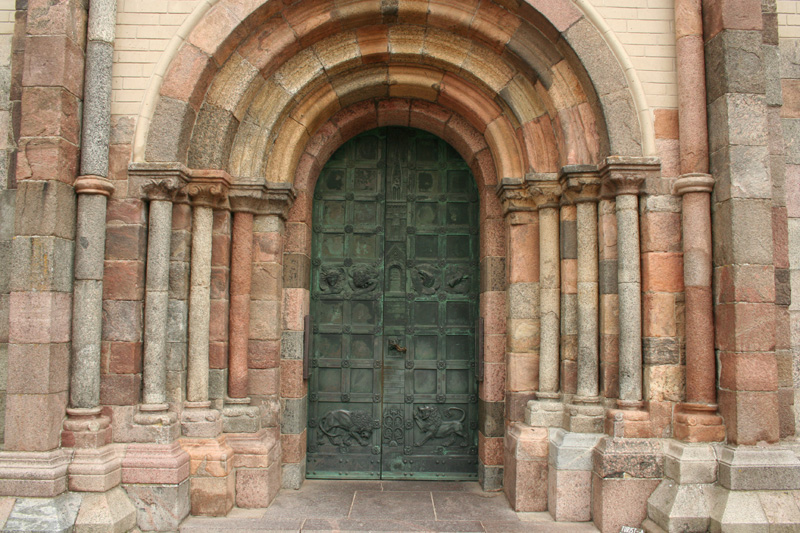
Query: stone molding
point(209, 188)
point(91, 184)
point(694, 182)
point(515, 198)
point(268, 198)
point(625, 175)
point(580, 183)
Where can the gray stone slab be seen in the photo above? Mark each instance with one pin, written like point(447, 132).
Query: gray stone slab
point(371, 505)
point(758, 468)
point(295, 415)
point(159, 507)
point(392, 525)
point(490, 477)
point(212, 137)
point(212, 525)
point(571, 451)
point(292, 345)
point(434, 486)
point(170, 130)
point(50, 515)
point(312, 500)
point(472, 506)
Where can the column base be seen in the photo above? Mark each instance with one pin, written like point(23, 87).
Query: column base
point(758, 468)
point(625, 474)
point(569, 480)
point(525, 467)
point(86, 428)
point(584, 415)
point(257, 462)
point(211, 475)
point(96, 470)
point(630, 421)
point(198, 420)
point(241, 417)
point(34, 474)
point(544, 413)
point(698, 423)
point(156, 478)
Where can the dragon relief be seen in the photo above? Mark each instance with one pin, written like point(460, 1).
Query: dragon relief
point(426, 279)
point(433, 426)
point(342, 427)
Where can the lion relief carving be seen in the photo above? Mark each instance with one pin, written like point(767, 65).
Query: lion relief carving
point(342, 427)
point(430, 422)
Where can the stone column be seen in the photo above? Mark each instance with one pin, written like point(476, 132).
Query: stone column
point(547, 409)
point(206, 192)
point(582, 185)
point(626, 175)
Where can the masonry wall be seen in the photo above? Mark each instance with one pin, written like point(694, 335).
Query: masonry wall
point(785, 163)
point(9, 105)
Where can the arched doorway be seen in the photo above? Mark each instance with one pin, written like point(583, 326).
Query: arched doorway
point(394, 289)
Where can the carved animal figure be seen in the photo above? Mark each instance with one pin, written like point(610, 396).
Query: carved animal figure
point(342, 427)
point(331, 280)
point(365, 278)
point(429, 420)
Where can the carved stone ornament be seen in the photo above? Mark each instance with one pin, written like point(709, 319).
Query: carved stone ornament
point(626, 174)
point(163, 189)
point(93, 185)
point(695, 182)
point(144, 180)
point(514, 195)
point(580, 183)
point(209, 188)
point(544, 189)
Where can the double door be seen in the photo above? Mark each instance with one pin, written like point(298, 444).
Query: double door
point(394, 303)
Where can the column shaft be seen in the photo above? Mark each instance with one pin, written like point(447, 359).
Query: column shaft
point(549, 299)
point(700, 359)
point(87, 324)
point(241, 281)
point(199, 304)
point(630, 299)
point(156, 303)
point(588, 301)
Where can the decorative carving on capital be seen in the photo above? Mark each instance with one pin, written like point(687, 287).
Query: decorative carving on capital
point(156, 181)
point(625, 175)
point(161, 189)
point(695, 182)
point(281, 197)
point(580, 183)
point(545, 189)
point(514, 195)
point(91, 184)
point(209, 188)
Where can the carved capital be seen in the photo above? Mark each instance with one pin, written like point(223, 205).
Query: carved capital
point(209, 188)
point(545, 190)
point(247, 198)
point(514, 195)
point(281, 197)
point(625, 175)
point(581, 183)
point(93, 185)
point(156, 181)
point(693, 183)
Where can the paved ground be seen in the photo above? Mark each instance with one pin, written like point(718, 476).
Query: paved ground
point(385, 506)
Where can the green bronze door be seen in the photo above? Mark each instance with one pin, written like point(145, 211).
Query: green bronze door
point(394, 292)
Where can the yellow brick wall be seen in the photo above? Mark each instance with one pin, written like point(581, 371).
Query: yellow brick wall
point(789, 19)
point(144, 28)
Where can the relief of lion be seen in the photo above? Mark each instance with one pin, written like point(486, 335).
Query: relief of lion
point(342, 427)
point(429, 420)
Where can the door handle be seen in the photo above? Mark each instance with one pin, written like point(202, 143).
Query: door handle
point(394, 344)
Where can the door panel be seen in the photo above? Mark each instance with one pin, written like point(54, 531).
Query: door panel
point(394, 299)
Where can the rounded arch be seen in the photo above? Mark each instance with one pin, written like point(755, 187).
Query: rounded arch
point(533, 63)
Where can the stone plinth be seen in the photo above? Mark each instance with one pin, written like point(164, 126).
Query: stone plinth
point(156, 478)
point(525, 467)
point(544, 413)
point(625, 473)
point(569, 480)
point(212, 480)
point(34, 474)
point(258, 467)
point(96, 470)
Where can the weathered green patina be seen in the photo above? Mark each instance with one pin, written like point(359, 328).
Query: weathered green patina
point(394, 294)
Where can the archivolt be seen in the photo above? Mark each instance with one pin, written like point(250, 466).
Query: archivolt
point(251, 85)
